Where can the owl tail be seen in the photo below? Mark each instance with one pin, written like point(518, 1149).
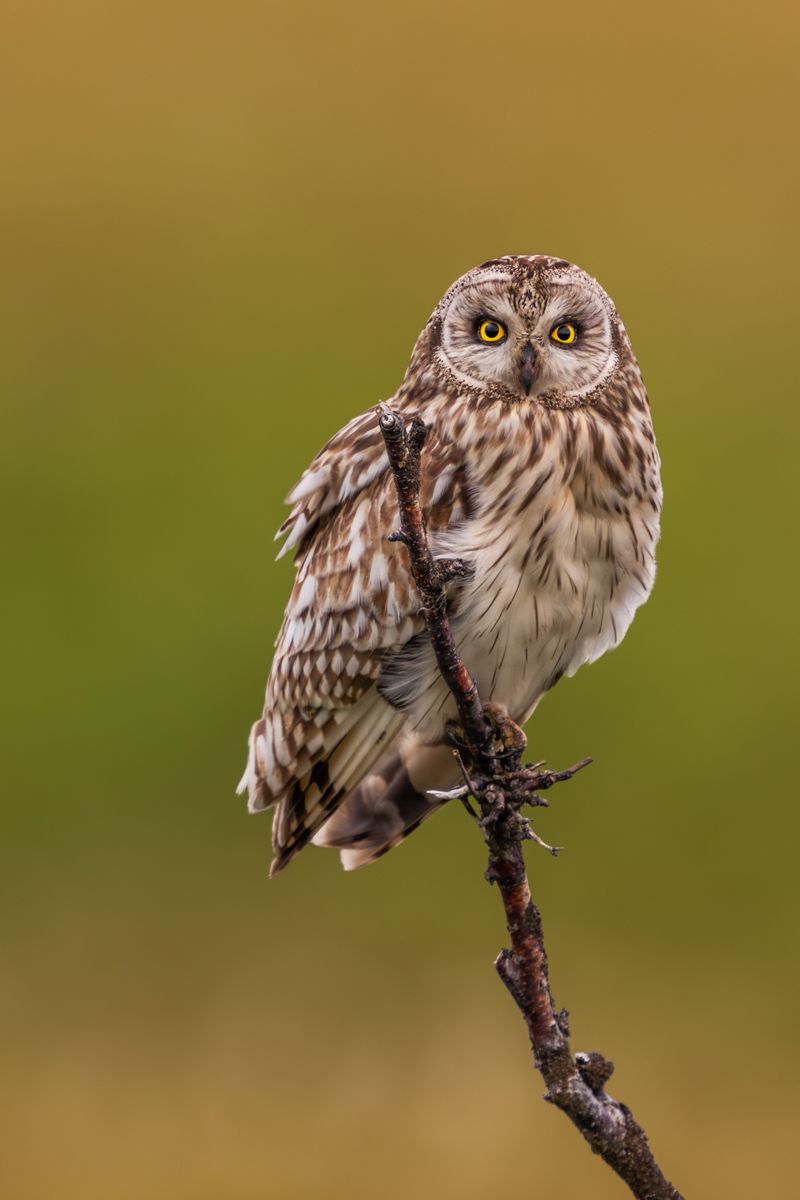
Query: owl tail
point(389, 803)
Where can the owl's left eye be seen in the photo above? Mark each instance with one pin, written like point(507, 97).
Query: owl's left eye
point(564, 333)
point(491, 332)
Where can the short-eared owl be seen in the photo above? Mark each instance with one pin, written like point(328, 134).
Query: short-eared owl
point(541, 470)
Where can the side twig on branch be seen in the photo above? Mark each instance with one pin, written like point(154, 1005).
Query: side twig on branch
point(489, 747)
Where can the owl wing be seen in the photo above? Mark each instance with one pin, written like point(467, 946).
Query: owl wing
point(352, 608)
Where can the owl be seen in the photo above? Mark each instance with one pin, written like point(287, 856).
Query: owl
point(540, 471)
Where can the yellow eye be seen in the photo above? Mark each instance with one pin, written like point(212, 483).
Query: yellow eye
point(491, 332)
point(564, 334)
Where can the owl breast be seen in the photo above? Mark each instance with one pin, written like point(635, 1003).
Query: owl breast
point(562, 546)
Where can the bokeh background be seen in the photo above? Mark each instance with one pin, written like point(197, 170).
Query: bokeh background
point(223, 226)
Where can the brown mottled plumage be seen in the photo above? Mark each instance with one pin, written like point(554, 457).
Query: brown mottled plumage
point(541, 470)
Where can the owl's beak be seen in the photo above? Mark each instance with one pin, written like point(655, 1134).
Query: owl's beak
point(526, 374)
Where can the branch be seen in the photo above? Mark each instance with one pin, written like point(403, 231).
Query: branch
point(489, 748)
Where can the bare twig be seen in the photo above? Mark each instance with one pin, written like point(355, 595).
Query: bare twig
point(490, 749)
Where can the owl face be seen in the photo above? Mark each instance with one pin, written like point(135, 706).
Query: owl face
point(528, 329)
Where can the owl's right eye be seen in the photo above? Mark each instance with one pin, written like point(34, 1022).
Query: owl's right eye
point(491, 332)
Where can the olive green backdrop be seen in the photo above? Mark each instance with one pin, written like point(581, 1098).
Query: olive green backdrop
point(223, 226)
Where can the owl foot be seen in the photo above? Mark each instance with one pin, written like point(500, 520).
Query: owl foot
point(503, 794)
point(499, 782)
point(507, 740)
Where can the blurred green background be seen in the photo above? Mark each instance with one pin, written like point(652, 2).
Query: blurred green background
point(223, 226)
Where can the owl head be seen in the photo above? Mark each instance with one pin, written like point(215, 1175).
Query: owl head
point(527, 328)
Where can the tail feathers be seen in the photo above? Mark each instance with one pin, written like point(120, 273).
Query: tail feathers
point(389, 804)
